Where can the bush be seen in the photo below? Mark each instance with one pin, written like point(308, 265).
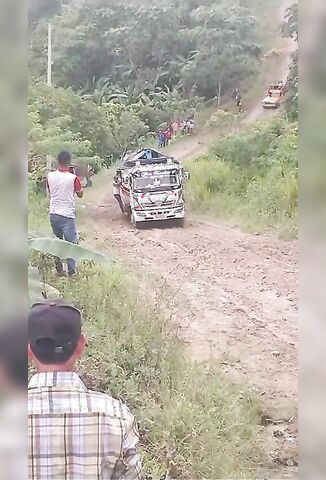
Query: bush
point(250, 176)
point(222, 120)
point(61, 119)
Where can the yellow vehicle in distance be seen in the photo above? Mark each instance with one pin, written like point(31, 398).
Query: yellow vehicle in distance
point(275, 94)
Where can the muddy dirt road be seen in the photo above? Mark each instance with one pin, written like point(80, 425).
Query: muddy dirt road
point(234, 299)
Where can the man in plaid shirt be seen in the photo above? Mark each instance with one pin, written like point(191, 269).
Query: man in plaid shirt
point(74, 433)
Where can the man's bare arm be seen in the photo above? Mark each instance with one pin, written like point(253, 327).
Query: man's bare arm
point(78, 188)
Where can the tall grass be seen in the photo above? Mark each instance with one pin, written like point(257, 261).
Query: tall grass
point(194, 423)
point(250, 177)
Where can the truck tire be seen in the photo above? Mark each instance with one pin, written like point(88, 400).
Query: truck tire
point(180, 222)
point(135, 224)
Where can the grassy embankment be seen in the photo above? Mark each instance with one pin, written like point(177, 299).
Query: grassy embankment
point(249, 177)
point(193, 422)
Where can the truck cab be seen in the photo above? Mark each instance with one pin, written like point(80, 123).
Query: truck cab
point(152, 189)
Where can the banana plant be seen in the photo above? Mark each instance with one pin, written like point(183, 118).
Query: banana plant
point(37, 287)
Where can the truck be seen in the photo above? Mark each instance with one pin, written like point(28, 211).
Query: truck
point(276, 91)
point(279, 88)
point(271, 102)
point(149, 185)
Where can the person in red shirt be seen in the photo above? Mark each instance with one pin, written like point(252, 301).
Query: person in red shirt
point(167, 136)
point(63, 185)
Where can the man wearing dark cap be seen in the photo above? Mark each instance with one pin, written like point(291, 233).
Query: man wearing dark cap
point(74, 433)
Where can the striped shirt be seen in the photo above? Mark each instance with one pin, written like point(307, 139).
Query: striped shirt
point(77, 434)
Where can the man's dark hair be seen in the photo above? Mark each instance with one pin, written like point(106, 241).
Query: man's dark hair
point(64, 158)
point(13, 351)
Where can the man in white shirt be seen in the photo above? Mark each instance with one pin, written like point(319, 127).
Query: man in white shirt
point(63, 185)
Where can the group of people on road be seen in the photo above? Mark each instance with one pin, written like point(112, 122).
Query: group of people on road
point(275, 88)
point(166, 134)
point(237, 97)
point(187, 126)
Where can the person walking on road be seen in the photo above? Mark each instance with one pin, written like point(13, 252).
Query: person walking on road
point(175, 127)
point(235, 93)
point(160, 139)
point(62, 186)
point(73, 432)
point(167, 136)
point(116, 192)
point(89, 174)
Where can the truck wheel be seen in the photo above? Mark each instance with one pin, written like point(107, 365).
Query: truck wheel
point(134, 223)
point(180, 222)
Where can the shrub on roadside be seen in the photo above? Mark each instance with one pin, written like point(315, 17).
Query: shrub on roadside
point(250, 177)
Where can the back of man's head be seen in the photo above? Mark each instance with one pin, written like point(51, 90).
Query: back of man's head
point(64, 158)
point(54, 333)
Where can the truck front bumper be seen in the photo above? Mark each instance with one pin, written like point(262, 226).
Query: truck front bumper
point(270, 106)
point(162, 214)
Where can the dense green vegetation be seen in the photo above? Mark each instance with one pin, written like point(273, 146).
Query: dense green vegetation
point(192, 46)
point(59, 118)
point(121, 70)
point(251, 178)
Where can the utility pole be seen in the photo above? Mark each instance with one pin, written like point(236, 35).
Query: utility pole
point(49, 54)
point(49, 82)
point(219, 94)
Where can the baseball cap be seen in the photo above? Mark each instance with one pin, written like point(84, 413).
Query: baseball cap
point(54, 328)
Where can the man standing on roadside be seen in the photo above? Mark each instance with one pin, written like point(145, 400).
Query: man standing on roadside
point(73, 432)
point(63, 184)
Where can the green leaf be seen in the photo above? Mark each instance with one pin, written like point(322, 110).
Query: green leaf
point(51, 292)
point(62, 249)
point(35, 290)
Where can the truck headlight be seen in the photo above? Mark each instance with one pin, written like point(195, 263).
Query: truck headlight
point(180, 201)
point(137, 205)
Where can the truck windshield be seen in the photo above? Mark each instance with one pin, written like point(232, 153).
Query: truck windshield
point(158, 183)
